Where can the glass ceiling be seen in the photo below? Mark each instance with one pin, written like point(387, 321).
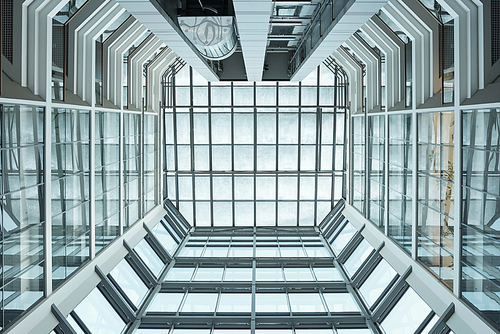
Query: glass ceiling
point(255, 154)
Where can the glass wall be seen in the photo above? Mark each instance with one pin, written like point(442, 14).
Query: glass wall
point(435, 170)
point(436, 193)
point(131, 168)
point(150, 161)
point(240, 153)
point(358, 183)
point(70, 191)
point(400, 179)
point(481, 211)
point(107, 177)
point(376, 170)
point(21, 208)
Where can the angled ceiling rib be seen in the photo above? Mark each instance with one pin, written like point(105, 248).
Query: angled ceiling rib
point(154, 17)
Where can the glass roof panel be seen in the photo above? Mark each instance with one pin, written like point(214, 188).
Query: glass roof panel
point(254, 142)
point(407, 315)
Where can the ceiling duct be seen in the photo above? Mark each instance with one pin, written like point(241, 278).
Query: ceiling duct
point(214, 36)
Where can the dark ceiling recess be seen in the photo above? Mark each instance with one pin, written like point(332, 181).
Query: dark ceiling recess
point(205, 8)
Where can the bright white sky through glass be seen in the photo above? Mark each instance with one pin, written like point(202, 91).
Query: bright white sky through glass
point(263, 154)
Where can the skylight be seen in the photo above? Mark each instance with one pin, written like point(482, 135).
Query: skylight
point(255, 154)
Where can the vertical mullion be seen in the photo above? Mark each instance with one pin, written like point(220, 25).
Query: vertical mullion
point(299, 146)
point(232, 151)
point(386, 172)
point(92, 187)
point(254, 270)
point(141, 165)
point(457, 182)
point(191, 142)
point(176, 155)
point(121, 171)
point(367, 165)
point(254, 152)
point(414, 173)
point(277, 157)
point(319, 121)
point(334, 133)
point(47, 187)
point(210, 153)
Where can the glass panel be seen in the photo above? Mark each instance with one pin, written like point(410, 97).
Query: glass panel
point(377, 282)
point(238, 274)
point(358, 257)
point(317, 251)
point(191, 252)
point(200, 302)
point(407, 315)
point(340, 302)
point(271, 303)
point(327, 274)
point(269, 274)
point(262, 251)
point(164, 238)
point(292, 252)
point(235, 302)
point(343, 238)
point(166, 302)
point(306, 302)
point(98, 315)
point(149, 256)
point(240, 252)
point(208, 274)
point(298, 274)
point(129, 282)
point(179, 274)
point(215, 252)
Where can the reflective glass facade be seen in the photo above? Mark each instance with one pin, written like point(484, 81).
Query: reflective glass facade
point(74, 176)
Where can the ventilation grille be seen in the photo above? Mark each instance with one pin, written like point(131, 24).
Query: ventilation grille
point(57, 44)
point(448, 45)
point(7, 28)
point(495, 31)
point(440, 50)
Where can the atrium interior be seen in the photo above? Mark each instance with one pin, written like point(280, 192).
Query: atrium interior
point(250, 166)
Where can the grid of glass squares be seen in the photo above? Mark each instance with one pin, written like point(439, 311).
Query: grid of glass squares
point(263, 154)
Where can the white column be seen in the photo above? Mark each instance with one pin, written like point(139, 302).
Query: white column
point(253, 17)
point(355, 75)
point(113, 51)
point(36, 68)
point(154, 72)
point(77, 22)
point(372, 62)
point(394, 50)
point(421, 37)
point(86, 38)
point(135, 68)
point(469, 46)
